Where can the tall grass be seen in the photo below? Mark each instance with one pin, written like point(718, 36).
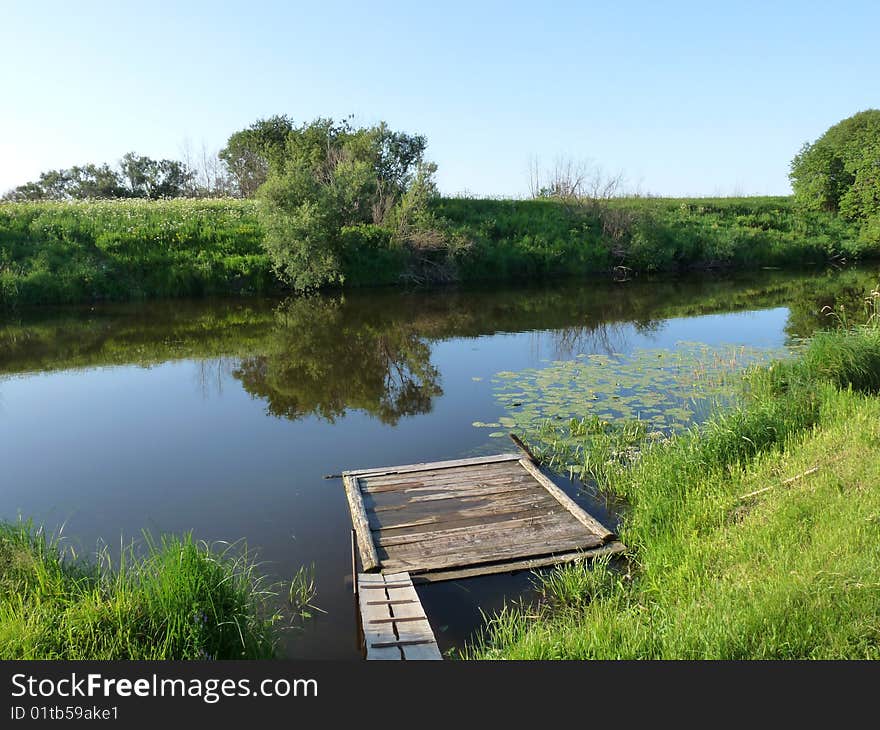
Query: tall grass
point(757, 536)
point(527, 238)
point(56, 252)
point(181, 599)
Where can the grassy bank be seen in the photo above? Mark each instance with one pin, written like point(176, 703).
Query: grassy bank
point(117, 250)
point(519, 238)
point(133, 249)
point(756, 537)
point(182, 600)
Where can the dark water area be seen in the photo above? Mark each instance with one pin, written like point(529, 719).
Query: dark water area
point(222, 418)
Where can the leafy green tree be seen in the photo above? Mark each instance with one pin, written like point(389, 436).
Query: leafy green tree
point(137, 177)
point(840, 171)
point(78, 182)
point(334, 177)
point(147, 178)
point(95, 181)
point(249, 152)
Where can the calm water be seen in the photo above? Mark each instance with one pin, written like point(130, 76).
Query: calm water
point(221, 418)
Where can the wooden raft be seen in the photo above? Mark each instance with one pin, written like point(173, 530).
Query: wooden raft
point(394, 622)
point(456, 519)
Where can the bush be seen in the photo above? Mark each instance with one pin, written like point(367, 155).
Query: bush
point(332, 178)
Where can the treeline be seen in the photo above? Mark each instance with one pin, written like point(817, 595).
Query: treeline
point(134, 176)
point(236, 171)
point(330, 203)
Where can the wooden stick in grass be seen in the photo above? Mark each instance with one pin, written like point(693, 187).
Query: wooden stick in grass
point(522, 447)
point(795, 478)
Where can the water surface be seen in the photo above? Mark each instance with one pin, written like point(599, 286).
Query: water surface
point(222, 418)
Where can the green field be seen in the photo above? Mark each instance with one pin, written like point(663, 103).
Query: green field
point(69, 252)
point(134, 249)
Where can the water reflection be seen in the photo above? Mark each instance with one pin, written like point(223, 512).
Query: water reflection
point(371, 351)
point(323, 358)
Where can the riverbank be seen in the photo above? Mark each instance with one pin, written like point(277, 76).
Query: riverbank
point(180, 600)
point(755, 537)
point(75, 252)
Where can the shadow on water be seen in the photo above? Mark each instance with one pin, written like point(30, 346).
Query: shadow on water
point(221, 417)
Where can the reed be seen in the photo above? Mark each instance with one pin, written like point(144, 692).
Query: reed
point(171, 598)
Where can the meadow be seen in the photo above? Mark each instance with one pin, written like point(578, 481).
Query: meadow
point(85, 251)
point(82, 251)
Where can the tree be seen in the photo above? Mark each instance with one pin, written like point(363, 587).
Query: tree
point(137, 177)
point(840, 171)
point(250, 152)
point(78, 182)
point(95, 181)
point(333, 176)
point(147, 178)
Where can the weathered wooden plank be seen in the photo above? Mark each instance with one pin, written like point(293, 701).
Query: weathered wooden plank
point(419, 506)
point(433, 499)
point(462, 480)
point(508, 531)
point(377, 633)
point(416, 637)
point(480, 515)
point(441, 476)
point(397, 627)
point(424, 557)
point(592, 524)
point(609, 548)
point(369, 558)
point(428, 465)
point(457, 501)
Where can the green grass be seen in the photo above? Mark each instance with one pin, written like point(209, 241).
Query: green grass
point(66, 252)
point(527, 238)
point(182, 599)
point(792, 571)
point(91, 250)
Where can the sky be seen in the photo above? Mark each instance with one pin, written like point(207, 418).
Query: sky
point(681, 98)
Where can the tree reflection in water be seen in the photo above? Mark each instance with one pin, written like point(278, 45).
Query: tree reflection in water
point(325, 358)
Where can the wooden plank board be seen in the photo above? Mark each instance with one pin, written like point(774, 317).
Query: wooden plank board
point(390, 523)
point(394, 623)
point(369, 558)
point(427, 466)
point(506, 532)
point(441, 476)
point(461, 480)
point(383, 502)
point(373, 613)
point(424, 559)
point(609, 548)
point(416, 636)
point(580, 515)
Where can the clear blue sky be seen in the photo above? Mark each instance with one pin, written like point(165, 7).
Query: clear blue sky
point(683, 97)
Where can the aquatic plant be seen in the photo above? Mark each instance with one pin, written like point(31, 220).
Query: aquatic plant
point(585, 414)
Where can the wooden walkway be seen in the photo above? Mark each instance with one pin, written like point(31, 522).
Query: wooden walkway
point(456, 519)
point(393, 620)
